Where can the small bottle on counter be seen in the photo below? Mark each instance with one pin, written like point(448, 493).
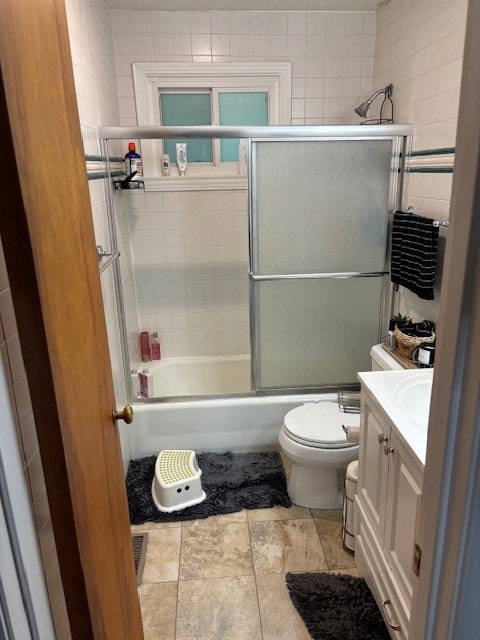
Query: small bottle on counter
point(155, 347)
point(390, 340)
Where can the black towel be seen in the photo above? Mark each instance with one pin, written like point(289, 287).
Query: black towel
point(414, 253)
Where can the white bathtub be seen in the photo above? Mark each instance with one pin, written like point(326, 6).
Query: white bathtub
point(231, 424)
point(197, 376)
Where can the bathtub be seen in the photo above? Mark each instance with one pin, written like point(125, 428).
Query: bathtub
point(225, 424)
point(196, 376)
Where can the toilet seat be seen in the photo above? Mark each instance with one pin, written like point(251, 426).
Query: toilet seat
point(319, 425)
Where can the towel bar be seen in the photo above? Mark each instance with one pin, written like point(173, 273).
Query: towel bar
point(436, 223)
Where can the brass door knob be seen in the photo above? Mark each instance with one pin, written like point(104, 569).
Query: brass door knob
point(126, 414)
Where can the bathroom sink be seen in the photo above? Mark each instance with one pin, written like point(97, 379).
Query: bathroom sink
point(413, 397)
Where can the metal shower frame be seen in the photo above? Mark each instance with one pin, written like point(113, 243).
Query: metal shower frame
point(400, 135)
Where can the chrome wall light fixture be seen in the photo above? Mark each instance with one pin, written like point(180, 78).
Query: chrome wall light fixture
point(386, 109)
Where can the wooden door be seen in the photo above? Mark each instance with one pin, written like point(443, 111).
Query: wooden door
point(47, 233)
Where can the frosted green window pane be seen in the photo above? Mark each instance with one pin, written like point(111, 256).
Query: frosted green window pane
point(322, 206)
point(316, 332)
point(249, 108)
point(187, 109)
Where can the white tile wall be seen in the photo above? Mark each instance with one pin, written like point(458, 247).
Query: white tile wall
point(12, 361)
point(331, 52)
point(190, 254)
point(419, 48)
point(92, 55)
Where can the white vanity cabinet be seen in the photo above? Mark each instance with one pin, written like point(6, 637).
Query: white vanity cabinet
point(386, 514)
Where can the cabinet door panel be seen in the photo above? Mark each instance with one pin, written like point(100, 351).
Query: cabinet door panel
point(373, 470)
point(403, 504)
point(373, 567)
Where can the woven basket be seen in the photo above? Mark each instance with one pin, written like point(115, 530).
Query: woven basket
point(406, 344)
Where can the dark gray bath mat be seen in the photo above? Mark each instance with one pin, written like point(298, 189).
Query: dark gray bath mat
point(335, 606)
point(232, 481)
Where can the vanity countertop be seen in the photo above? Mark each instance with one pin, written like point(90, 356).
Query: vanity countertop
point(404, 395)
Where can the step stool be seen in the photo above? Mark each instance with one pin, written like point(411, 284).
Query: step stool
point(176, 483)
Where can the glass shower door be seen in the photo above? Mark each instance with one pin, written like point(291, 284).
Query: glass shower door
point(318, 228)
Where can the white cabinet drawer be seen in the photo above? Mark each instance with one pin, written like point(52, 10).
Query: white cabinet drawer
point(373, 567)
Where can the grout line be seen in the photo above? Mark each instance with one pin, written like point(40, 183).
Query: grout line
point(178, 580)
point(255, 577)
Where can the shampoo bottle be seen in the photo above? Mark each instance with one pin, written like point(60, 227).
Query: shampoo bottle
point(133, 162)
point(145, 346)
point(155, 347)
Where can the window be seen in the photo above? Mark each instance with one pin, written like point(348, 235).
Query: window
point(175, 94)
point(211, 106)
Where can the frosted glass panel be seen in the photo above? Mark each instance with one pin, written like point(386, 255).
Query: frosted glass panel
point(239, 108)
point(322, 206)
point(316, 332)
point(187, 109)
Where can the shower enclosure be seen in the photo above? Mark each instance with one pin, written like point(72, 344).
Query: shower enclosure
point(312, 281)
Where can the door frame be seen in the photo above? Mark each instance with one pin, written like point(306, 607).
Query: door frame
point(25, 609)
point(448, 591)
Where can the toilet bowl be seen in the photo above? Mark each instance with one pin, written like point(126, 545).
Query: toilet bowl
point(312, 438)
point(314, 441)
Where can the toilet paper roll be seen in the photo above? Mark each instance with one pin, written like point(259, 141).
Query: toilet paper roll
point(353, 434)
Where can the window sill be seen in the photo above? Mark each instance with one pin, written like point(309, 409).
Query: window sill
point(196, 183)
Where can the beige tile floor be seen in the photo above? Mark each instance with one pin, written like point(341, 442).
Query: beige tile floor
point(223, 578)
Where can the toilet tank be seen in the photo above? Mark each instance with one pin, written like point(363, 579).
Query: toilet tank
point(381, 360)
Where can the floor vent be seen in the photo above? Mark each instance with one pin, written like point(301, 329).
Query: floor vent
point(139, 542)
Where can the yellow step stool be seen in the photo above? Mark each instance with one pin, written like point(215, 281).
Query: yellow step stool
point(176, 482)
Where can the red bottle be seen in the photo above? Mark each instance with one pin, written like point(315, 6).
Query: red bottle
point(145, 346)
point(155, 347)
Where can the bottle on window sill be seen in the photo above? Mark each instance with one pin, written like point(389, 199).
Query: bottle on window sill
point(165, 165)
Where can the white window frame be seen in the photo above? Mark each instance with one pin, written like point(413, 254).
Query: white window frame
point(150, 77)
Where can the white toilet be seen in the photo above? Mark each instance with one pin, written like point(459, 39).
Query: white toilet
point(312, 438)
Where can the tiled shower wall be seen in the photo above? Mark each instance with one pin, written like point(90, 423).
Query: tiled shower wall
point(190, 252)
point(419, 48)
point(190, 249)
point(331, 52)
